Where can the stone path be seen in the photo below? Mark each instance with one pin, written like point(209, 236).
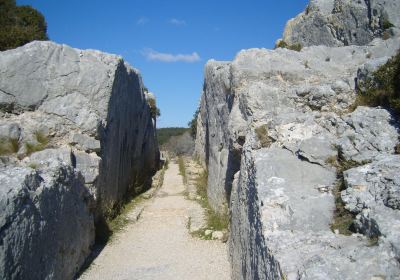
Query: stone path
point(159, 246)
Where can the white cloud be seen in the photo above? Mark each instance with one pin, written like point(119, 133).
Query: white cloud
point(168, 57)
point(177, 22)
point(142, 21)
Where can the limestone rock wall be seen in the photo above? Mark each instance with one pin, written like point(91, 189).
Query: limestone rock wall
point(87, 110)
point(274, 123)
point(343, 22)
point(216, 106)
point(84, 99)
point(46, 222)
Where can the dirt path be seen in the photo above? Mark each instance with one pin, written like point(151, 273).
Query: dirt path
point(159, 246)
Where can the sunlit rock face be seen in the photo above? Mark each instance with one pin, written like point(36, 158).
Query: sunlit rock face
point(343, 22)
point(84, 109)
point(271, 127)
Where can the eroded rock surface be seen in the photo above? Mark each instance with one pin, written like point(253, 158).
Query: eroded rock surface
point(272, 129)
point(84, 99)
point(46, 222)
point(86, 109)
point(343, 22)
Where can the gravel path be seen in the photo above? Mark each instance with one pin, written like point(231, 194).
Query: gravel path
point(159, 246)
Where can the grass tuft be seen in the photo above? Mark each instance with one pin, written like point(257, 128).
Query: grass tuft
point(42, 142)
point(182, 169)
point(215, 220)
point(9, 146)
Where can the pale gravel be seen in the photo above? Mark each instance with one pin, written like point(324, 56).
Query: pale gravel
point(159, 245)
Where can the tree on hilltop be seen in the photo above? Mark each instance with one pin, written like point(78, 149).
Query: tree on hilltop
point(20, 25)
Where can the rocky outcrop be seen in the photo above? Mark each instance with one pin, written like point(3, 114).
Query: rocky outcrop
point(373, 194)
point(46, 222)
point(83, 108)
point(84, 99)
point(343, 22)
point(274, 125)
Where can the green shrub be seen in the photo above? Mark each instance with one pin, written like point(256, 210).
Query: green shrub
point(386, 24)
point(20, 25)
point(193, 124)
point(154, 110)
point(383, 89)
point(295, 47)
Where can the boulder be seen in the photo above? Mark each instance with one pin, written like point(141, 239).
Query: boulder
point(367, 133)
point(46, 222)
point(77, 136)
point(59, 96)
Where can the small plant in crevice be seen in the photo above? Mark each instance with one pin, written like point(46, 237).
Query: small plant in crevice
point(386, 24)
point(262, 136)
point(295, 47)
point(383, 88)
point(9, 146)
point(342, 218)
point(33, 165)
point(42, 142)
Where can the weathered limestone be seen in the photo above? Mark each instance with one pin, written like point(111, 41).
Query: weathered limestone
point(373, 193)
point(271, 128)
point(292, 94)
point(46, 222)
point(343, 22)
point(86, 99)
point(86, 110)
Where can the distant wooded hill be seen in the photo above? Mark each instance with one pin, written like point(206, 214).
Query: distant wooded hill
point(164, 134)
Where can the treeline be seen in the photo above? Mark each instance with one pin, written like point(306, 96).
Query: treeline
point(164, 134)
point(20, 25)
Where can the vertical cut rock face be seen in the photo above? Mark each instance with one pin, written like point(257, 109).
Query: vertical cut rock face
point(84, 109)
point(272, 125)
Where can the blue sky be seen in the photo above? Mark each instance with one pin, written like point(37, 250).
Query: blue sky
point(168, 41)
